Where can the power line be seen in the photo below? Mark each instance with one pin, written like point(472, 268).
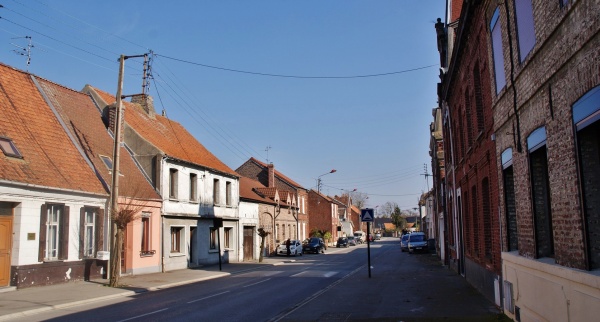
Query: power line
point(295, 76)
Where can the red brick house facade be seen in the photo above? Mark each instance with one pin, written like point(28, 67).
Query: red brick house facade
point(471, 177)
point(323, 214)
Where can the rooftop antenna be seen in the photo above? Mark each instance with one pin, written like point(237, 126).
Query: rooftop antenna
point(267, 149)
point(24, 51)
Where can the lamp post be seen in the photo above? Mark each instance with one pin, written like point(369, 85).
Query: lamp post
point(319, 179)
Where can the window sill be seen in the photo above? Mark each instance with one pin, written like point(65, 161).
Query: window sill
point(147, 253)
point(177, 255)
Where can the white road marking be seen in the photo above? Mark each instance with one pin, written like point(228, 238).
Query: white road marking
point(260, 274)
point(204, 298)
point(139, 316)
point(257, 282)
point(315, 274)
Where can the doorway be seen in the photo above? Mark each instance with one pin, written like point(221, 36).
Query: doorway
point(6, 221)
point(248, 243)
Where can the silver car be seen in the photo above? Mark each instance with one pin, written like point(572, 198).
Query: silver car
point(417, 242)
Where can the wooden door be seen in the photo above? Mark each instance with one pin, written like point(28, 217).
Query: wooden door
point(248, 243)
point(5, 246)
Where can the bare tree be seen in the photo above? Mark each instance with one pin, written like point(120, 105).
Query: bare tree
point(359, 199)
point(127, 211)
point(263, 235)
point(387, 209)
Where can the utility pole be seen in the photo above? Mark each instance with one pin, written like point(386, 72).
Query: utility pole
point(115, 255)
point(426, 174)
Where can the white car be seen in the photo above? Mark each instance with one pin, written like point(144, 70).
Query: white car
point(295, 248)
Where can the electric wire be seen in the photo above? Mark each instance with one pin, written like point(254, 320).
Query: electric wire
point(295, 76)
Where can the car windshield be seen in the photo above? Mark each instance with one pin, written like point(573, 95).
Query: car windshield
point(417, 238)
point(405, 237)
point(350, 238)
point(313, 240)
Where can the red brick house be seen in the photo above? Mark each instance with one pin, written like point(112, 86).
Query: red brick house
point(471, 178)
point(324, 214)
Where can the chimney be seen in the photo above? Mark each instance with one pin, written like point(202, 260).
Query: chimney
point(146, 101)
point(271, 175)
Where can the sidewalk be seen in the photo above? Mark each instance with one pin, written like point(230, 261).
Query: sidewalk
point(28, 301)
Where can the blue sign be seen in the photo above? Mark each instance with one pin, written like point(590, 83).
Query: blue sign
point(366, 215)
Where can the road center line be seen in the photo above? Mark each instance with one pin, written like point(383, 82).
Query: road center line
point(257, 283)
point(139, 316)
point(204, 298)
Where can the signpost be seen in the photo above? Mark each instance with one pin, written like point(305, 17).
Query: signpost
point(366, 215)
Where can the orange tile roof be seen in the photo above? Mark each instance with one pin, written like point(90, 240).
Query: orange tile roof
point(84, 121)
point(50, 159)
point(277, 173)
point(167, 135)
point(247, 191)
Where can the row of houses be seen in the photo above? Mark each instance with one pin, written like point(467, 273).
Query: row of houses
point(187, 207)
point(515, 148)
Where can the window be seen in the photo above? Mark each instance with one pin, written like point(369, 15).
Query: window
point(228, 198)
point(54, 232)
point(227, 237)
point(475, 215)
point(107, 161)
point(497, 52)
point(213, 238)
point(487, 218)
point(538, 164)
point(89, 238)
point(563, 3)
point(146, 245)
point(509, 200)
point(8, 148)
point(216, 195)
point(173, 183)
point(193, 187)
point(525, 30)
point(586, 117)
point(469, 128)
point(176, 235)
point(478, 99)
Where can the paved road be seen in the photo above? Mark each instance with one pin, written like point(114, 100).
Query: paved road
point(330, 287)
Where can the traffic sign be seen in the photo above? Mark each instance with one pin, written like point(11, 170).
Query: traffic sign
point(366, 215)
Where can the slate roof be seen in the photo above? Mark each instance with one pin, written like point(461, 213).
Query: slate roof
point(50, 159)
point(83, 120)
point(167, 135)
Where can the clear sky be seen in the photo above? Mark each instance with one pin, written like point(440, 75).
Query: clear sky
point(215, 72)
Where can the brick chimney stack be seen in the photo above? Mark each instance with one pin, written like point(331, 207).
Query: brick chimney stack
point(271, 175)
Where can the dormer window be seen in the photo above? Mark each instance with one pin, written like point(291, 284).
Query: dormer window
point(9, 149)
point(107, 161)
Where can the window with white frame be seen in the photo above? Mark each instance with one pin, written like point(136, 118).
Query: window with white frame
point(173, 174)
point(216, 194)
point(227, 237)
point(497, 51)
point(176, 236)
point(89, 228)
point(228, 197)
point(54, 232)
point(525, 29)
point(193, 187)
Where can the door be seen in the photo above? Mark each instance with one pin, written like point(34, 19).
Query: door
point(6, 220)
point(248, 243)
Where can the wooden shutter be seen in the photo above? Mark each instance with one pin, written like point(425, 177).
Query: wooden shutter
point(81, 231)
point(42, 233)
point(63, 238)
point(99, 229)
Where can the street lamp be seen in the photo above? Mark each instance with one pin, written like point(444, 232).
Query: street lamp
point(319, 179)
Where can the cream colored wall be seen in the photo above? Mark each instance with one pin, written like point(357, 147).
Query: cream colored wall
point(545, 291)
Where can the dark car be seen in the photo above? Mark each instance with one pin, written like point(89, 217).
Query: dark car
point(404, 242)
point(417, 242)
point(342, 242)
point(314, 245)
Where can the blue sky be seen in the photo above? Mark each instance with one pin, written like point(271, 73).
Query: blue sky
point(373, 130)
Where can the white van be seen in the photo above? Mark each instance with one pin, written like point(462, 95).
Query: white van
point(360, 236)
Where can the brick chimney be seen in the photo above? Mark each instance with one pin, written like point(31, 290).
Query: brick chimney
point(271, 175)
point(146, 102)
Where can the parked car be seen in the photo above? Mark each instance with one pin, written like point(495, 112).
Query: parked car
point(314, 245)
point(360, 237)
point(295, 248)
point(417, 242)
point(351, 241)
point(342, 242)
point(377, 236)
point(404, 242)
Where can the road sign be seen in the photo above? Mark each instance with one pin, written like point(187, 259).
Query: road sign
point(366, 215)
